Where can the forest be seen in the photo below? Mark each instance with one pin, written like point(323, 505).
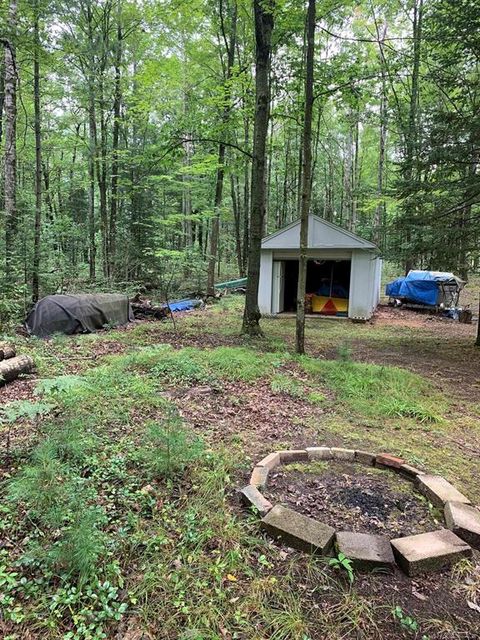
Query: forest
point(127, 137)
point(212, 424)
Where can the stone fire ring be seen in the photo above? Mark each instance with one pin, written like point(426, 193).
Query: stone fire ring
point(413, 554)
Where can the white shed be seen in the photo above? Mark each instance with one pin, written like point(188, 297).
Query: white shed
point(343, 272)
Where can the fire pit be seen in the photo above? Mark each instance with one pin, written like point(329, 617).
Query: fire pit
point(323, 500)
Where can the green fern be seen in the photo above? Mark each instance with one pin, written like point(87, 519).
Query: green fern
point(23, 410)
point(59, 385)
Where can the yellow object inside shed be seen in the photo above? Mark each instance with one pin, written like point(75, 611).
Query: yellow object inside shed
point(329, 306)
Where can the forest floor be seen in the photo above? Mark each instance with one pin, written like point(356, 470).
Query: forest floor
point(104, 536)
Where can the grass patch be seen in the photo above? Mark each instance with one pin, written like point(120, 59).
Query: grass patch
point(200, 366)
point(377, 391)
point(316, 467)
point(287, 385)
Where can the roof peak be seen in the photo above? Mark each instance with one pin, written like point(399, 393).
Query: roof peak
point(335, 236)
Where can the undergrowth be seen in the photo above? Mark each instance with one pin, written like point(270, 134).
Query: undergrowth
point(374, 390)
point(120, 516)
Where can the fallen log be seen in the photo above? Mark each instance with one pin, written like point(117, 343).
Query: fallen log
point(144, 310)
point(7, 350)
point(11, 368)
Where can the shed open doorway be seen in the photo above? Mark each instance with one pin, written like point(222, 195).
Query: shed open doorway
point(328, 286)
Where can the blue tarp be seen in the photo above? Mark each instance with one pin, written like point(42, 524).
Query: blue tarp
point(420, 287)
point(183, 305)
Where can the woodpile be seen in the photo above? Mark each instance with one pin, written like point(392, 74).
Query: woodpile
point(11, 365)
point(7, 350)
point(144, 309)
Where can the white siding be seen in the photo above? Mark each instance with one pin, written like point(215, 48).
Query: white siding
point(265, 284)
point(364, 285)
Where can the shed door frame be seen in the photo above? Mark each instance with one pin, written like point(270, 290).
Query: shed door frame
point(278, 286)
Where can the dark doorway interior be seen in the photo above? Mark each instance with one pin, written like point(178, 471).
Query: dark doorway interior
point(329, 278)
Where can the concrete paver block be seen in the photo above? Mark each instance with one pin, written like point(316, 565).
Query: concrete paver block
point(339, 453)
point(293, 455)
point(365, 457)
point(366, 551)
point(252, 497)
point(464, 521)
point(429, 551)
point(319, 453)
point(410, 471)
point(270, 461)
point(298, 531)
point(438, 490)
point(259, 477)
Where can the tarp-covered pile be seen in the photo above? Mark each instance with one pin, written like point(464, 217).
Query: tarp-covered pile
point(431, 288)
point(83, 313)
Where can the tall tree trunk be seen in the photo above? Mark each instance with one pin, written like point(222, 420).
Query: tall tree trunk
point(411, 142)
point(230, 44)
point(237, 222)
point(355, 171)
point(10, 167)
point(92, 152)
point(38, 157)
point(117, 101)
point(2, 93)
point(379, 216)
point(264, 20)
point(246, 197)
point(101, 166)
point(306, 179)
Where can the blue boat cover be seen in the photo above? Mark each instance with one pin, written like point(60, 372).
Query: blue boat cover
point(420, 287)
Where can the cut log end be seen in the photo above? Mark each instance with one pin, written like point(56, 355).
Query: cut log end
point(11, 368)
point(7, 350)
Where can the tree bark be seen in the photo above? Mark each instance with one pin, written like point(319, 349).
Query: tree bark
point(264, 21)
point(7, 350)
point(246, 196)
point(10, 166)
point(2, 93)
point(236, 220)
point(10, 369)
point(411, 142)
point(101, 170)
point(230, 44)
point(117, 101)
point(92, 129)
point(38, 157)
point(379, 217)
point(355, 171)
point(306, 179)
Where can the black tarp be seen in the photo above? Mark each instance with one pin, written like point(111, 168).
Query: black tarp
point(81, 313)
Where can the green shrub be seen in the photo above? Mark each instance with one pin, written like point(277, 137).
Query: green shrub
point(169, 446)
point(46, 486)
point(81, 545)
point(287, 385)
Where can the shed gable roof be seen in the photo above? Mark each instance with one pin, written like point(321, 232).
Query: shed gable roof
point(321, 235)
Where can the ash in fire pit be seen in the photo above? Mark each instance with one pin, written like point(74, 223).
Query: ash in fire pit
point(349, 497)
point(367, 502)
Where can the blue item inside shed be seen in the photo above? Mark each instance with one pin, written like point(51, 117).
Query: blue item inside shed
point(431, 288)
